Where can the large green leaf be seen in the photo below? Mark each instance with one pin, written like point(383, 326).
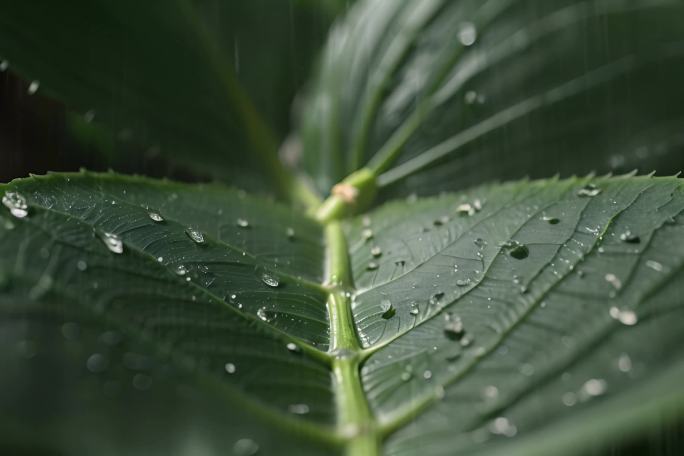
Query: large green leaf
point(526, 318)
point(205, 83)
point(456, 93)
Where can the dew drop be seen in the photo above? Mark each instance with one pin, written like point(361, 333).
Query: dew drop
point(517, 250)
point(242, 223)
point(4, 65)
point(155, 216)
point(630, 238)
point(626, 317)
point(367, 234)
point(551, 220)
point(503, 426)
point(435, 298)
point(376, 251)
point(624, 363)
point(613, 280)
point(656, 266)
point(230, 368)
point(594, 387)
point(33, 87)
point(406, 376)
point(245, 447)
point(270, 280)
point(465, 209)
point(262, 314)
point(453, 326)
point(463, 282)
point(81, 265)
point(372, 266)
point(16, 204)
point(588, 190)
point(414, 310)
point(388, 310)
point(196, 236)
point(467, 34)
point(113, 242)
point(290, 233)
point(294, 348)
point(181, 270)
point(490, 392)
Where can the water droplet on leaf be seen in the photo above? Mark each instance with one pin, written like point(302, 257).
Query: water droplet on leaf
point(113, 242)
point(16, 204)
point(589, 190)
point(196, 236)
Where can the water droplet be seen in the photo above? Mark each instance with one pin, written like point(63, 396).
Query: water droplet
point(245, 447)
point(181, 270)
point(81, 265)
point(387, 309)
point(196, 236)
point(435, 298)
point(290, 233)
point(613, 280)
point(414, 310)
point(465, 209)
point(551, 220)
point(569, 399)
point(490, 392)
point(453, 326)
point(96, 363)
point(298, 409)
point(427, 374)
point(517, 250)
point(16, 204)
point(33, 87)
point(113, 242)
point(656, 266)
point(589, 190)
point(406, 376)
point(467, 34)
point(376, 251)
point(242, 223)
point(503, 426)
point(463, 282)
point(4, 65)
point(594, 387)
point(230, 368)
point(262, 313)
point(443, 220)
point(372, 266)
point(270, 280)
point(367, 234)
point(630, 238)
point(626, 316)
point(624, 363)
point(155, 216)
point(294, 348)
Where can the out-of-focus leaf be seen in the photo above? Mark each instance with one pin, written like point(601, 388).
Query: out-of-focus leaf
point(468, 91)
point(203, 83)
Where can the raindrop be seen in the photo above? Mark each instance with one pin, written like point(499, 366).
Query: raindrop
point(589, 190)
point(465, 209)
point(490, 392)
point(551, 220)
point(427, 375)
point(463, 282)
point(96, 363)
point(387, 308)
point(479, 242)
point(503, 426)
point(262, 314)
point(376, 251)
point(294, 348)
point(468, 34)
point(242, 223)
point(155, 216)
point(630, 238)
point(470, 97)
point(435, 298)
point(613, 280)
point(33, 87)
point(517, 250)
point(230, 368)
point(196, 236)
point(569, 399)
point(290, 233)
point(245, 447)
point(594, 387)
point(16, 203)
point(656, 266)
point(81, 265)
point(372, 266)
point(4, 65)
point(453, 327)
point(626, 317)
point(298, 409)
point(624, 363)
point(181, 270)
point(414, 310)
point(270, 280)
point(406, 376)
point(367, 234)
point(113, 242)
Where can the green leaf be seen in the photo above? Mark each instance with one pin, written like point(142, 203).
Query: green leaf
point(526, 318)
point(192, 81)
point(454, 94)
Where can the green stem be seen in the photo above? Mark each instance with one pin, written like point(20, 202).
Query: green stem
point(353, 194)
point(354, 418)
